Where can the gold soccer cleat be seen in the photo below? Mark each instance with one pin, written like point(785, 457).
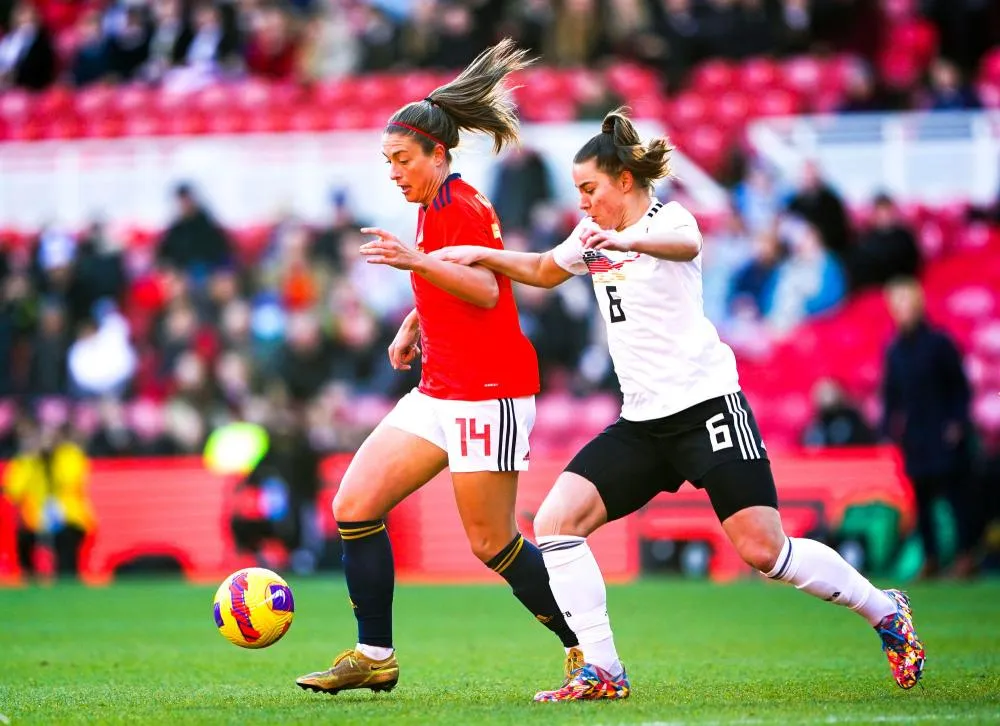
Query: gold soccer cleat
point(352, 669)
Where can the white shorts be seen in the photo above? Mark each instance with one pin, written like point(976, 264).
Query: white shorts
point(490, 435)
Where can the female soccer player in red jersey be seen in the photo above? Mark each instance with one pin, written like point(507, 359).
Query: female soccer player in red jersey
point(474, 409)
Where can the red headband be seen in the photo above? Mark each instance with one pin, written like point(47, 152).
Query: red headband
point(435, 139)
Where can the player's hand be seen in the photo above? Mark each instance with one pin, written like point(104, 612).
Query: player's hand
point(460, 254)
point(604, 239)
point(404, 348)
point(387, 249)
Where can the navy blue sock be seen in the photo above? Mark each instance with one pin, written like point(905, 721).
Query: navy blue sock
point(520, 564)
point(370, 575)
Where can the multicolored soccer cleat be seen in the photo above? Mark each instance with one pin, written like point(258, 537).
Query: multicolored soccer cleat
point(574, 661)
point(900, 642)
point(589, 683)
point(352, 669)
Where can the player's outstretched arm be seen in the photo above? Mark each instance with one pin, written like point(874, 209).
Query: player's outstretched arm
point(472, 284)
point(531, 268)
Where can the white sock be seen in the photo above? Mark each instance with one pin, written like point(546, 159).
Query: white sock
point(375, 652)
point(578, 587)
point(820, 571)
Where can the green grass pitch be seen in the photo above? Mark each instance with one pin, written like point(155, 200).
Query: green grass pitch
point(751, 654)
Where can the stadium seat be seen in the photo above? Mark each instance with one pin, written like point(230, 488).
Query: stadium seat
point(759, 74)
point(714, 76)
point(687, 110)
point(802, 74)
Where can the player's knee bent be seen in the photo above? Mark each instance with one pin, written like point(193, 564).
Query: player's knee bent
point(349, 507)
point(485, 545)
point(551, 520)
point(761, 553)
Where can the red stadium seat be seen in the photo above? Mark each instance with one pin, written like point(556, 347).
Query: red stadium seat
point(802, 74)
point(631, 80)
point(776, 102)
point(688, 109)
point(94, 100)
point(759, 74)
point(132, 99)
point(989, 68)
point(731, 109)
point(714, 76)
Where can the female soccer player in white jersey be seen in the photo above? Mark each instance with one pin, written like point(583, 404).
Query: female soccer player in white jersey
point(684, 417)
point(472, 411)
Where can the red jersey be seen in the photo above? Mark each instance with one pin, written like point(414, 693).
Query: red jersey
point(468, 353)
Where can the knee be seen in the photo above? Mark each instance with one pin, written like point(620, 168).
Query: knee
point(486, 545)
point(350, 507)
point(761, 553)
point(553, 519)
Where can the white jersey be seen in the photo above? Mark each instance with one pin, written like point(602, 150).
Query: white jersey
point(667, 354)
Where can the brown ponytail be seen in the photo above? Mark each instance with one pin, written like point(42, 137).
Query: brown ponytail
point(477, 100)
point(618, 148)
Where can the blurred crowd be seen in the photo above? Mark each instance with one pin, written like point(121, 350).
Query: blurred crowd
point(144, 345)
point(189, 43)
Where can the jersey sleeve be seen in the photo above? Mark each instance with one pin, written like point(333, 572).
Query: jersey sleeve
point(467, 222)
point(676, 219)
point(569, 254)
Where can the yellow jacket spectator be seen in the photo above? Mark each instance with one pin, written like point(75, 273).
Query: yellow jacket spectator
point(47, 483)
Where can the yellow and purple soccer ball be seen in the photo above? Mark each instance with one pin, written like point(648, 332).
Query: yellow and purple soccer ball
point(253, 608)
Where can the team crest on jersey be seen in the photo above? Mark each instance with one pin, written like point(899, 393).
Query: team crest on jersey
point(602, 268)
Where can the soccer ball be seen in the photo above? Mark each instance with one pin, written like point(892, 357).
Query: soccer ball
point(253, 608)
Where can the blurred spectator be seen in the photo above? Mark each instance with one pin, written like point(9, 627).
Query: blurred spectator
point(114, 436)
point(102, 360)
point(27, 59)
point(808, 282)
point(886, 250)
point(926, 400)
point(307, 358)
point(47, 483)
point(98, 270)
point(459, 40)
point(271, 50)
point(168, 41)
point(862, 93)
point(327, 246)
point(210, 51)
point(522, 183)
point(820, 205)
point(378, 38)
point(92, 62)
point(794, 27)
point(193, 243)
point(948, 91)
point(757, 199)
point(47, 374)
point(127, 37)
point(752, 286)
point(837, 421)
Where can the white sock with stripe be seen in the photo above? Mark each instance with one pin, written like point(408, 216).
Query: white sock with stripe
point(578, 587)
point(815, 568)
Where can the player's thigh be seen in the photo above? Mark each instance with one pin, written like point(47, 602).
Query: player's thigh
point(745, 499)
point(626, 466)
point(403, 453)
point(572, 507)
point(485, 501)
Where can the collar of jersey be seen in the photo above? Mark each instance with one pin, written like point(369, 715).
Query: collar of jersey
point(451, 177)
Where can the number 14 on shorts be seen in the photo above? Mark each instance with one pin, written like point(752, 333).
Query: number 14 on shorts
point(468, 431)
